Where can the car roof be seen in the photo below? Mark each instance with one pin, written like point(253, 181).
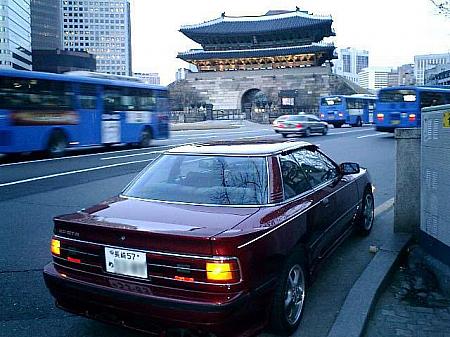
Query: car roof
point(241, 148)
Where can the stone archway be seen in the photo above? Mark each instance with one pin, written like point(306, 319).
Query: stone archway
point(251, 100)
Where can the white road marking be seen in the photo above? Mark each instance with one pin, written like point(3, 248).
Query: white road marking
point(385, 206)
point(132, 155)
point(372, 135)
point(71, 172)
point(159, 147)
point(341, 133)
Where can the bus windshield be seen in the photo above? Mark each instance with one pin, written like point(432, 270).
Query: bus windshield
point(401, 95)
point(331, 101)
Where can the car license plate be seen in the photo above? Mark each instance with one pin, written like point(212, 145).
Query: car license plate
point(395, 122)
point(126, 262)
point(330, 116)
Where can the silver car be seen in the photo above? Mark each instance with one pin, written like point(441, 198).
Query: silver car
point(303, 125)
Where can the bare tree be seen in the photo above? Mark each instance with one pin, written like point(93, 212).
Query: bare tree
point(443, 7)
point(183, 96)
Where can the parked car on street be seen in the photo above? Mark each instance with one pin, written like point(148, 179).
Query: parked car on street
point(221, 237)
point(303, 125)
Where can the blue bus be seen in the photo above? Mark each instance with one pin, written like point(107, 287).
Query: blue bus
point(53, 112)
point(400, 107)
point(347, 109)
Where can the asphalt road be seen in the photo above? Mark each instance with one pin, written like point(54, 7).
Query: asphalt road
point(34, 190)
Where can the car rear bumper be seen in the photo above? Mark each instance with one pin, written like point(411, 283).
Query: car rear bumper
point(290, 131)
point(149, 313)
point(384, 128)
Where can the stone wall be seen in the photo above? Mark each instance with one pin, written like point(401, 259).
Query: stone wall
point(225, 89)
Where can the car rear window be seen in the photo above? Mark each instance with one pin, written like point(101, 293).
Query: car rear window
point(297, 118)
point(199, 179)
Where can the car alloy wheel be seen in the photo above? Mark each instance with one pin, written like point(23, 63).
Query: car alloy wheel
point(368, 212)
point(289, 297)
point(307, 132)
point(367, 215)
point(325, 130)
point(294, 294)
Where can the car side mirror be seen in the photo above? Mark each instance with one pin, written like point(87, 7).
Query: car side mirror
point(349, 168)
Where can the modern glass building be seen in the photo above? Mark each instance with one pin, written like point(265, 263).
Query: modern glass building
point(99, 28)
point(427, 62)
point(15, 34)
point(46, 25)
point(350, 62)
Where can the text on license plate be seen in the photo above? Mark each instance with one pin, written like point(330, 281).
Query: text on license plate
point(126, 262)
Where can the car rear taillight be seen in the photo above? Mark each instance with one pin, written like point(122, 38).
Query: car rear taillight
point(412, 117)
point(380, 117)
point(322, 115)
point(55, 247)
point(215, 270)
point(299, 125)
point(281, 125)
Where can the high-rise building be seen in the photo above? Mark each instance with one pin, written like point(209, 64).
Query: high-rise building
point(350, 62)
point(15, 34)
point(374, 78)
point(439, 75)
point(46, 24)
point(426, 62)
point(102, 29)
point(149, 78)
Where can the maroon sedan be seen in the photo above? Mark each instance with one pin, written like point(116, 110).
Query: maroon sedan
point(221, 238)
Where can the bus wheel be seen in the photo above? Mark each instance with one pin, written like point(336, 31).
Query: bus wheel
point(146, 137)
point(57, 144)
point(359, 123)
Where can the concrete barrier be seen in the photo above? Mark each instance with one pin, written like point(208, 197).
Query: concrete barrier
point(407, 181)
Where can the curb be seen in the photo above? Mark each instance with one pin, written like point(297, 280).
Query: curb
point(352, 318)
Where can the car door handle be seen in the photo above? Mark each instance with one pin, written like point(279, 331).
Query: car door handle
point(325, 202)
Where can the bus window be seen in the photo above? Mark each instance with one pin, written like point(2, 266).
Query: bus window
point(88, 96)
point(331, 101)
point(402, 95)
point(112, 98)
point(35, 94)
point(428, 98)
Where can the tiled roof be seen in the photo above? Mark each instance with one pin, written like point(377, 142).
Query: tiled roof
point(256, 24)
point(200, 54)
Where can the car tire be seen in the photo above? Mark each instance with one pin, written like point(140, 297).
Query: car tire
point(366, 218)
point(325, 131)
point(307, 132)
point(337, 125)
point(289, 298)
point(146, 137)
point(284, 135)
point(57, 144)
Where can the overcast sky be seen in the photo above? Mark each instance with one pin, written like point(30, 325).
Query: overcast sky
point(393, 31)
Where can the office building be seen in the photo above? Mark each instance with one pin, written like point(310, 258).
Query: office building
point(102, 29)
point(426, 62)
point(373, 78)
point(46, 25)
point(149, 78)
point(15, 34)
point(61, 61)
point(350, 62)
point(439, 75)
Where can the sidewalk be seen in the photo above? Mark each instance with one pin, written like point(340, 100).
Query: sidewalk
point(208, 125)
point(411, 305)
